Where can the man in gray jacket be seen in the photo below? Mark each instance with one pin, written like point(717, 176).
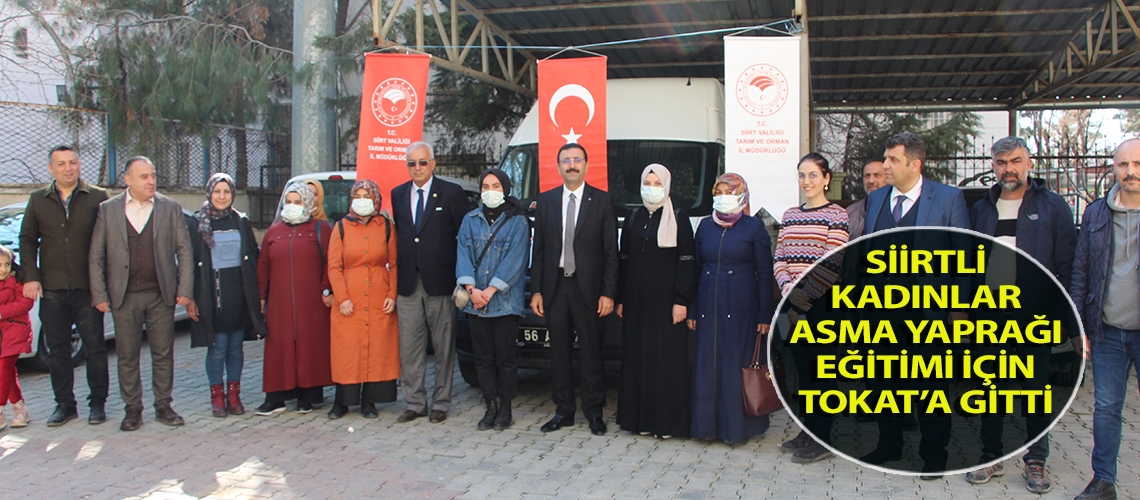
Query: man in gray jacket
point(141, 266)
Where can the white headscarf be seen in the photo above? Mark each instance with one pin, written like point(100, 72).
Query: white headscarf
point(667, 230)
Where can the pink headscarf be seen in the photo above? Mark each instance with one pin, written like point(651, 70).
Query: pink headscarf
point(739, 187)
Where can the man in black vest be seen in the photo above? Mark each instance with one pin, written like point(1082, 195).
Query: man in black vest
point(428, 212)
point(54, 240)
point(141, 265)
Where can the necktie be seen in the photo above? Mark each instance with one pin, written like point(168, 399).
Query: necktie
point(897, 212)
point(568, 265)
point(420, 210)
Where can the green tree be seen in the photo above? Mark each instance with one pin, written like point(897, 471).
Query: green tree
point(168, 68)
point(858, 138)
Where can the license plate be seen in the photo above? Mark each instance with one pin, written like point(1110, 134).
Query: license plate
point(535, 337)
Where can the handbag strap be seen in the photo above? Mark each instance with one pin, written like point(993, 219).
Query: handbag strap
point(756, 351)
point(502, 223)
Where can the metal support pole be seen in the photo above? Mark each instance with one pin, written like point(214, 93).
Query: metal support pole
point(314, 122)
point(1013, 129)
point(112, 156)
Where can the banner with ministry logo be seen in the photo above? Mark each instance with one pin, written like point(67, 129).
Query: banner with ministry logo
point(391, 117)
point(762, 118)
point(572, 109)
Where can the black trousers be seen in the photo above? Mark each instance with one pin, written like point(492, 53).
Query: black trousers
point(59, 309)
point(568, 312)
point(368, 392)
point(496, 364)
point(993, 426)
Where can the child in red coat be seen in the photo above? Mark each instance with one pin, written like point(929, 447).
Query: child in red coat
point(15, 339)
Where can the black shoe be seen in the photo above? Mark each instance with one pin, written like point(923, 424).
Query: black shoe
point(133, 420)
point(597, 426)
point(488, 420)
point(503, 418)
point(97, 415)
point(266, 409)
point(879, 457)
point(369, 410)
point(812, 452)
point(930, 477)
point(797, 443)
point(304, 406)
point(337, 411)
point(557, 422)
point(62, 415)
point(1098, 489)
point(167, 416)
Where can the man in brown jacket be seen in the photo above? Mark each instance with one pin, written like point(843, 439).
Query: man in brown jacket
point(54, 240)
point(141, 265)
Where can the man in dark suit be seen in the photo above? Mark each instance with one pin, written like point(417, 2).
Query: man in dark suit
point(54, 241)
point(911, 201)
point(574, 274)
point(428, 212)
point(141, 266)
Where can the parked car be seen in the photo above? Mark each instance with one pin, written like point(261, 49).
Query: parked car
point(11, 218)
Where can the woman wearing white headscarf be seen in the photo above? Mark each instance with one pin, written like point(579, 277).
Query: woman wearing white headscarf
point(658, 281)
point(295, 298)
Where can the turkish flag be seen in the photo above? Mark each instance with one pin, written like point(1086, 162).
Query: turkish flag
point(572, 109)
point(391, 117)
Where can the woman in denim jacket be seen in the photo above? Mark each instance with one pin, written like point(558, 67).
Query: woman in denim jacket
point(495, 284)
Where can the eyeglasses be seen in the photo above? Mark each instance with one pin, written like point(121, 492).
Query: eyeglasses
point(422, 163)
point(572, 161)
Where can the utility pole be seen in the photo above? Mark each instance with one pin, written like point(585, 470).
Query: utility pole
point(314, 122)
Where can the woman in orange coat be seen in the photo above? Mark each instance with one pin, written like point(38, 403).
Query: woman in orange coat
point(365, 338)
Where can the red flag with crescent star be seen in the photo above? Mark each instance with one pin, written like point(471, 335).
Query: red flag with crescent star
point(572, 109)
point(391, 117)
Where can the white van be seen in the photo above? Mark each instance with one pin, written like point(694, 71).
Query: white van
point(677, 122)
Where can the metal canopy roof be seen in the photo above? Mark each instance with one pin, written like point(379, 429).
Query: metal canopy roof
point(878, 54)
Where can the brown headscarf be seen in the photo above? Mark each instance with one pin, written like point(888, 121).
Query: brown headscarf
point(373, 192)
point(319, 201)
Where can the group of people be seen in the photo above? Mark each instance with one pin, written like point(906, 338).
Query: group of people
point(354, 304)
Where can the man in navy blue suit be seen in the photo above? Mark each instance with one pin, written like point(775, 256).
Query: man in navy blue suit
point(911, 201)
point(428, 211)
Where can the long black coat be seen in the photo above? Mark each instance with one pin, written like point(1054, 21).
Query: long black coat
point(202, 331)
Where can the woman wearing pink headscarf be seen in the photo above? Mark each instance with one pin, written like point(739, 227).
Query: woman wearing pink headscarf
point(734, 302)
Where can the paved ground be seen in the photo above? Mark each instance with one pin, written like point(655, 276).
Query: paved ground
point(309, 456)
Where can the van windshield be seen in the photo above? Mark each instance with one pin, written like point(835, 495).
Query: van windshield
point(694, 167)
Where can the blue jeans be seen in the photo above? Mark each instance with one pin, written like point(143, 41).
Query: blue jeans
point(1112, 359)
point(225, 354)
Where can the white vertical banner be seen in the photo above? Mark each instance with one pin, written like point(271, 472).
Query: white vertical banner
point(762, 118)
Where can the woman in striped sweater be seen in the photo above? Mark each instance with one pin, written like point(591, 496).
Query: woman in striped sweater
point(807, 234)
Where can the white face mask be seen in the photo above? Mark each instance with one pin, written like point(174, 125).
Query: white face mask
point(652, 194)
point(726, 203)
point(363, 207)
point(492, 198)
point(293, 214)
